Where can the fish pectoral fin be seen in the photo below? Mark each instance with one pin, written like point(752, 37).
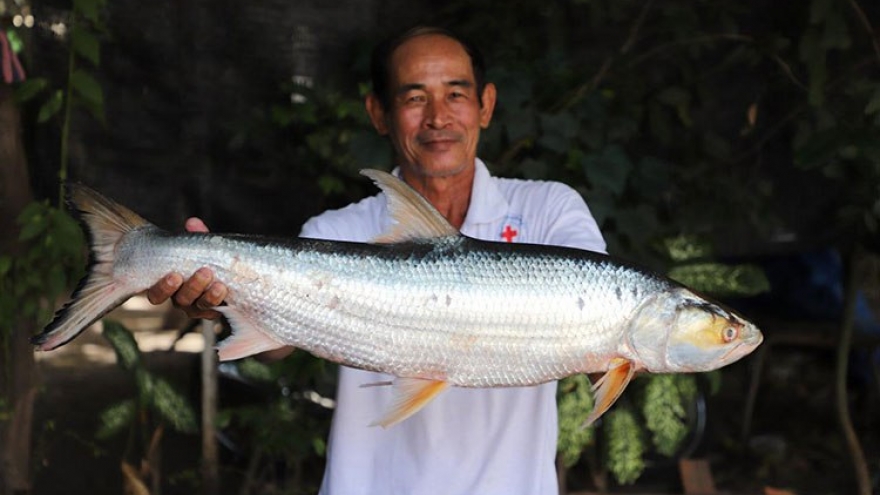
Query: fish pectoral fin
point(247, 338)
point(409, 396)
point(608, 388)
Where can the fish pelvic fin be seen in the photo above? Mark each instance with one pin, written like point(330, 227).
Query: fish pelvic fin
point(247, 338)
point(105, 223)
point(608, 388)
point(414, 217)
point(409, 395)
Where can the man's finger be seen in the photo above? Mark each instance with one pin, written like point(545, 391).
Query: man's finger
point(193, 288)
point(165, 288)
point(215, 295)
point(195, 224)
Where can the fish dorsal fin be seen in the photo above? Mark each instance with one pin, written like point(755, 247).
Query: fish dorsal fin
point(414, 217)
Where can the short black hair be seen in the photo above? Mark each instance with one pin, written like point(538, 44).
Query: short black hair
point(380, 62)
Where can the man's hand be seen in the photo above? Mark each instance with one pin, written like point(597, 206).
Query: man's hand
point(195, 296)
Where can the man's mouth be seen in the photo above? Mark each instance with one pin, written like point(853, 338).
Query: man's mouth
point(438, 138)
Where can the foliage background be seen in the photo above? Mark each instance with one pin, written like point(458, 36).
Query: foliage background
point(698, 131)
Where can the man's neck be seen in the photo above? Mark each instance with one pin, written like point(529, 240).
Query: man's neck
point(451, 195)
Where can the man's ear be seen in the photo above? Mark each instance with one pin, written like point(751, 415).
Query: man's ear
point(489, 96)
point(377, 113)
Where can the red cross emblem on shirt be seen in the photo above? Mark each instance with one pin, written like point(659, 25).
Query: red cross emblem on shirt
point(509, 233)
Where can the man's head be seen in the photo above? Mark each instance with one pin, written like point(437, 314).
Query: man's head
point(380, 61)
point(430, 98)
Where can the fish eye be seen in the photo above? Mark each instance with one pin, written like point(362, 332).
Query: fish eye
point(729, 334)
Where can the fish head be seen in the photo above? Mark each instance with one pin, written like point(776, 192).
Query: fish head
point(678, 331)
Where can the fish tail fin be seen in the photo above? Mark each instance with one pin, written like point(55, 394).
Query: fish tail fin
point(106, 223)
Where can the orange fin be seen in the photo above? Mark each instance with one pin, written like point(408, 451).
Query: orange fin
point(409, 396)
point(246, 340)
point(608, 388)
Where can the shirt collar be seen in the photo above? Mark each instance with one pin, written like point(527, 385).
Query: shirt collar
point(487, 202)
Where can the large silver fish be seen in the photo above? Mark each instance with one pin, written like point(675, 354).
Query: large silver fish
point(424, 303)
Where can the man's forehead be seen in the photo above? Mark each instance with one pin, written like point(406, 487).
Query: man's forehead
point(431, 55)
point(430, 49)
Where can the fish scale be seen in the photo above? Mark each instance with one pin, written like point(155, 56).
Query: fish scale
point(424, 304)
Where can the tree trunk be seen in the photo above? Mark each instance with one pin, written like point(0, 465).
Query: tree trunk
point(210, 459)
point(853, 264)
point(17, 382)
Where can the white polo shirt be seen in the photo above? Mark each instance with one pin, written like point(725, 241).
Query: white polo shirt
point(466, 441)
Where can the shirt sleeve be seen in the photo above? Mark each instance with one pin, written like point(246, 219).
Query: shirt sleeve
point(357, 222)
point(318, 227)
point(569, 221)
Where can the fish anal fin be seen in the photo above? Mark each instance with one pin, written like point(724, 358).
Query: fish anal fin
point(247, 338)
point(608, 388)
point(409, 396)
point(414, 217)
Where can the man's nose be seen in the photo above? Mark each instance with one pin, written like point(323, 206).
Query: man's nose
point(437, 113)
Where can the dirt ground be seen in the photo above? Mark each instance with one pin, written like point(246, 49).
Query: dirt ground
point(794, 445)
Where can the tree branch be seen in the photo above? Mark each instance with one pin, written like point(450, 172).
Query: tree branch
point(867, 24)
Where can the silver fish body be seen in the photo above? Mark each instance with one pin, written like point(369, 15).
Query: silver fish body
point(433, 309)
point(473, 313)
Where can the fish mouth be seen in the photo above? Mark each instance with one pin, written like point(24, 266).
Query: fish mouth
point(750, 342)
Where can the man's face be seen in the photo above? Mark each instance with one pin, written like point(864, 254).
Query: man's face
point(434, 116)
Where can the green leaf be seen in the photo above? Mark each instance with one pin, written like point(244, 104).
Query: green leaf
point(256, 370)
point(85, 44)
point(520, 128)
point(95, 109)
point(686, 247)
point(721, 280)
point(87, 87)
point(30, 230)
point(873, 105)
point(608, 169)
point(674, 96)
point(575, 401)
point(533, 169)
point(115, 418)
point(51, 107)
point(330, 184)
point(625, 446)
point(813, 54)
point(639, 223)
point(557, 131)
point(716, 146)
point(30, 88)
point(15, 41)
point(128, 355)
point(88, 8)
point(821, 148)
point(370, 148)
point(819, 10)
point(5, 265)
point(835, 34)
point(173, 407)
point(665, 413)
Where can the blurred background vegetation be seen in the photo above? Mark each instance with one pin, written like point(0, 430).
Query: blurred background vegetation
point(706, 136)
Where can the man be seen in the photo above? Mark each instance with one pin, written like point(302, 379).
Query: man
point(431, 99)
